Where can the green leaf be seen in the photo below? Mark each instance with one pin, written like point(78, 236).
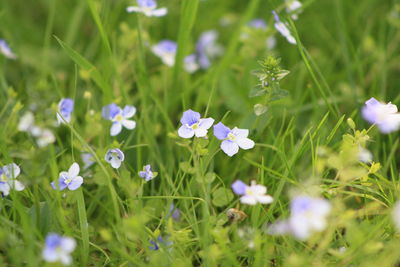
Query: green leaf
point(222, 197)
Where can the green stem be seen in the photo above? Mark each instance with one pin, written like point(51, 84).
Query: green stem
point(83, 224)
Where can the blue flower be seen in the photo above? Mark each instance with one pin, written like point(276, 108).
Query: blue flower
point(191, 64)
point(383, 115)
point(119, 117)
point(207, 48)
point(69, 179)
point(283, 29)
point(115, 157)
point(193, 125)
point(6, 50)
point(174, 212)
point(160, 241)
point(166, 51)
point(252, 194)
point(88, 160)
point(147, 174)
point(65, 108)
point(232, 139)
point(148, 8)
point(8, 173)
point(257, 24)
point(58, 249)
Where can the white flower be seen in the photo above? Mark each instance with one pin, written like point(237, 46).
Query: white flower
point(232, 139)
point(293, 7)
point(193, 125)
point(58, 249)
point(119, 117)
point(252, 194)
point(70, 179)
point(166, 51)
point(26, 122)
point(115, 157)
point(364, 155)
point(148, 8)
point(8, 173)
point(383, 115)
point(6, 50)
point(283, 29)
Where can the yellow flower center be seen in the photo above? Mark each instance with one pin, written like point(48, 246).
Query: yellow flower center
point(118, 118)
point(3, 178)
point(231, 137)
point(195, 126)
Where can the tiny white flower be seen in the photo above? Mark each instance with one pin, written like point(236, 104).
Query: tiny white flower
point(115, 157)
point(148, 8)
point(8, 173)
point(70, 179)
point(283, 29)
point(26, 122)
point(58, 249)
point(383, 115)
point(193, 125)
point(253, 194)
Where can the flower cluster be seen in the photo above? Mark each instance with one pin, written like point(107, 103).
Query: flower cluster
point(44, 136)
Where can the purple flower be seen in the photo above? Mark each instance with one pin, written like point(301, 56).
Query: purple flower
point(252, 194)
point(193, 125)
point(147, 174)
point(148, 8)
point(191, 64)
point(232, 139)
point(6, 50)
point(283, 29)
point(8, 173)
point(160, 241)
point(385, 116)
point(69, 179)
point(58, 249)
point(65, 108)
point(166, 51)
point(174, 212)
point(257, 24)
point(207, 48)
point(115, 157)
point(119, 117)
point(88, 160)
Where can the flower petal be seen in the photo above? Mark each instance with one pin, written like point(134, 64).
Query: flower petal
point(11, 170)
point(221, 131)
point(75, 183)
point(200, 132)
point(128, 112)
point(4, 188)
point(17, 185)
point(128, 124)
point(239, 187)
point(116, 128)
point(159, 12)
point(240, 133)
point(50, 255)
point(185, 132)
point(206, 123)
point(190, 117)
point(230, 148)
point(266, 199)
point(68, 244)
point(131, 9)
point(73, 170)
point(115, 163)
point(245, 143)
point(249, 200)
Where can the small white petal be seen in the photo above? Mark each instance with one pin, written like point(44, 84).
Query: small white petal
point(230, 148)
point(50, 255)
point(249, 200)
point(116, 128)
point(185, 132)
point(128, 112)
point(206, 123)
point(75, 183)
point(265, 199)
point(159, 12)
point(128, 124)
point(68, 244)
point(73, 170)
point(131, 9)
point(199, 132)
point(17, 185)
point(5, 188)
point(240, 133)
point(115, 163)
point(245, 143)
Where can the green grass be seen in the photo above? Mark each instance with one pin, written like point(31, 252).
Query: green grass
point(95, 52)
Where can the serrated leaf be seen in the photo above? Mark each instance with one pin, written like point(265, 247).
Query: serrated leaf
point(260, 109)
point(257, 91)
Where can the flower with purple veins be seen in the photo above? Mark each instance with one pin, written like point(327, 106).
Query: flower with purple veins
point(252, 194)
point(8, 173)
point(232, 139)
point(166, 51)
point(119, 117)
point(115, 157)
point(147, 174)
point(283, 29)
point(383, 115)
point(65, 108)
point(148, 8)
point(193, 125)
point(6, 50)
point(58, 249)
point(207, 48)
point(70, 179)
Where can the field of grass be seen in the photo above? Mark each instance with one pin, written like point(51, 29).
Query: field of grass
point(308, 139)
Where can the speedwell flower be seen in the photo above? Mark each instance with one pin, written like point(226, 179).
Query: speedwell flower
point(147, 174)
point(283, 29)
point(65, 108)
point(190, 63)
point(207, 48)
point(115, 157)
point(6, 50)
point(293, 7)
point(148, 8)
point(8, 173)
point(307, 215)
point(58, 249)
point(383, 115)
point(193, 125)
point(70, 179)
point(252, 194)
point(232, 139)
point(119, 117)
point(166, 51)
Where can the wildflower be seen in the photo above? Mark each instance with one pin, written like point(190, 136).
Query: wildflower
point(69, 179)
point(160, 241)
point(6, 50)
point(191, 65)
point(307, 215)
point(396, 215)
point(193, 125)
point(119, 117)
point(207, 48)
point(283, 29)
point(44, 136)
point(252, 194)
point(148, 8)
point(8, 173)
point(147, 174)
point(87, 159)
point(65, 108)
point(364, 155)
point(26, 122)
point(293, 7)
point(232, 139)
point(58, 249)
point(174, 212)
point(385, 116)
point(115, 157)
point(166, 51)
point(257, 24)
